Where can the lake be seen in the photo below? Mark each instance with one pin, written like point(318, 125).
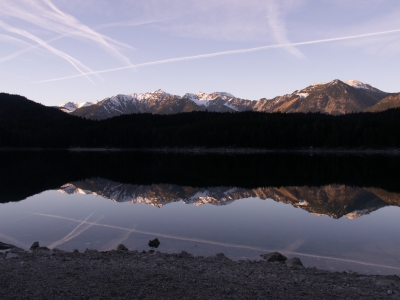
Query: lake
point(334, 212)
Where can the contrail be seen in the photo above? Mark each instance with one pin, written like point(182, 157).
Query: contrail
point(210, 242)
point(222, 53)
point(74, 62)
point(121, 24)
point(278, 27)
point(46, 15)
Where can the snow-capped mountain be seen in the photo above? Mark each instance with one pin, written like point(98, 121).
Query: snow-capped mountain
point(335, 201)
point(157, 102)
point(69, 107)
point(335, 97)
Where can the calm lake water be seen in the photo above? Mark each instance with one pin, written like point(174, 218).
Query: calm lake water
point(338, 213)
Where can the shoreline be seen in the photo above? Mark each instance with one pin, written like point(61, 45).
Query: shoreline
point(229, 151)
point(123, 274)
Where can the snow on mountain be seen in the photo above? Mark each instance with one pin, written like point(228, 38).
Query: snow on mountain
point(356, 214)
point(358, 84)
point(364, 86)
point(335, 97)
point(137, 97)
point(318, 83)
point(71, 189)
point(212, 96)
point(146, 96)
point(203, 99)
point(69, 107)
point(302, 95)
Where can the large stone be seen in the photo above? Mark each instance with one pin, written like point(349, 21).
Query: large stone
point(43, 248)
point(11, 255)
point(154, 243)
point(221, 256)
point(388, 283)
point(34, 246)
point(43, 251)
point(122, 247)
point(294, 262)
point(4, 246)
point(274, 256)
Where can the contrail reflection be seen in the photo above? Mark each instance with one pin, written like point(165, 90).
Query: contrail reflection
point(218, 243)
point(74, 233)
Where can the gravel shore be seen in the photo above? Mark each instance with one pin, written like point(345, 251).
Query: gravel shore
point(122, 274)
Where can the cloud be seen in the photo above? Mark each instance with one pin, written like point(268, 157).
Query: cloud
point(229, 20)
point(278, 28)
point(45, 14)
point(232, 52)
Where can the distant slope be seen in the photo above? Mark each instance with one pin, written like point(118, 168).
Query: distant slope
point(391, 101)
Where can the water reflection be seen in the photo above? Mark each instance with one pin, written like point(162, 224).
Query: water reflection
point(333, 200)
point(240, 205)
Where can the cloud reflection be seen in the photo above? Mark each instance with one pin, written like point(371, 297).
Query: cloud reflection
point(210, 242)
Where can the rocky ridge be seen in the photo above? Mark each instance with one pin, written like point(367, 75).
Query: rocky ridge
point(335, 97)
point(55, 274)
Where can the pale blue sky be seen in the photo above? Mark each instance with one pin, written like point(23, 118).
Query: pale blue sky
point(55, 51)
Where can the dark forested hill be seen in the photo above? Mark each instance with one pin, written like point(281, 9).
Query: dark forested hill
point(24, 123)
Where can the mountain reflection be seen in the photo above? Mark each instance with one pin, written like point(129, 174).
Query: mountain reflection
point(334, 200)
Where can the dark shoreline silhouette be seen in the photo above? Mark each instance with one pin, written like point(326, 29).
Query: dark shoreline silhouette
point(23, 174)
point(26, 124)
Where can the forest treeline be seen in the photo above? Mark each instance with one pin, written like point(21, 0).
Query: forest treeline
point(24, 123)
point(26, 173)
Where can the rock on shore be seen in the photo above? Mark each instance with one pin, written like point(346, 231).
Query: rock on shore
point(122, 274)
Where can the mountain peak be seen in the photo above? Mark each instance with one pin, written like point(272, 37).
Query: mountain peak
point(212, 96)
point(224, 94)
point(335, 81)
point(159, 91)
point(358, 84)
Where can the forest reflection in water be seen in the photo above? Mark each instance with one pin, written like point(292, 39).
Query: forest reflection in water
point(333, 212)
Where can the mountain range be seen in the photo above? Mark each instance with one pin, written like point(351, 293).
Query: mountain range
point(335, 97)
point(25, 123)
point(334, 200)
